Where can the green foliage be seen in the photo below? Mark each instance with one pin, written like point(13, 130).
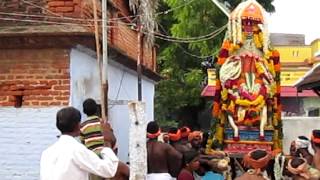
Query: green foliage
point(181, 86)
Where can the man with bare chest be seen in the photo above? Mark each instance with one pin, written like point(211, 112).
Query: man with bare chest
point(175, 141)
point(164, 161)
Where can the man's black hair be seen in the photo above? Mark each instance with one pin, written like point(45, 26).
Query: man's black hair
point(205, 166)
point(258, 154)
point(173, 130)
point(90, 107)
point(152, 127)
point(188, 156)
point(303, 138)
point(184, 129)
point(67, 119)
point(295, 162)
point(205, 137)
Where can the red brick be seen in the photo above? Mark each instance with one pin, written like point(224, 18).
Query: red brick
point(20, 77)
point(61, 87)
point(55, 103)
point(3, 98)
point(77, 1)
point(4, 71)
point(65, 103)
point(37, 71)
point(12, 98)
point(66, 82)
point(65, 93)
point(10, 77)
point(44, 103)
point(65, 76)
point(55, 3)
point(17, 71)
point(53, 93)
point(14, 93)
point(4, 88)
point(68, 3)
point(44, 98)
point(7, 104)
point(28, 97)
point(52, 82)
point(36, 92)
point(35, 103)
point(62, 98)
point(25, 103)
point(64, 9)
point(3, 77)
point(27, 87)
point(45, 82)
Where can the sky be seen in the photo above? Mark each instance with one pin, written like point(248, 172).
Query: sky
point(297, 17)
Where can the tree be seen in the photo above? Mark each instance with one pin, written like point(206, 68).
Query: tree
point(178, 94)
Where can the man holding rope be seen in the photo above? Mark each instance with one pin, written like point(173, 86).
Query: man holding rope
point(69, 159)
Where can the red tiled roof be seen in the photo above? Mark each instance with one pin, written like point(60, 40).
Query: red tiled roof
point(208, 91)
point(286, 91)
point(289, 91)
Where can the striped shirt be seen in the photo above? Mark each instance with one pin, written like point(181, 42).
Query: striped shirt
point(91, 134)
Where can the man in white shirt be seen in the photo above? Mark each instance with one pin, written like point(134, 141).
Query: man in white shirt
point(68, 159)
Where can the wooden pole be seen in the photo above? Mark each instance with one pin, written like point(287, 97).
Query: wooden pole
point(139, 68)
point(105, 84)
point(100, 63)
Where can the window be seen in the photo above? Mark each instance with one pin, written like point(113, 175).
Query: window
point(314, 112)
point(295, 53)
point(18, 101)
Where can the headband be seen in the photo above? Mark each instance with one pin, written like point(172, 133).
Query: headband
point(154, 135)
point(175, 136)
point(301, 143)
point(256, 164)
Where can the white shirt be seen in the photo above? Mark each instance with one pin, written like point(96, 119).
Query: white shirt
point(67, 159)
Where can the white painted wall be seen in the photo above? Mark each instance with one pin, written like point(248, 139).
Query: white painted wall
point(122, 86)
point(298, 126)
point(25, 133)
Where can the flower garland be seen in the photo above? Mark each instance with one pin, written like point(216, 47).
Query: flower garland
point(246, 103)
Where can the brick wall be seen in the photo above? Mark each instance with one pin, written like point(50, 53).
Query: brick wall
point(121, 36)
point(40, 76)
point(70, 8)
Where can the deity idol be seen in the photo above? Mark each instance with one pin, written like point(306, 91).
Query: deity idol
point(247, 85)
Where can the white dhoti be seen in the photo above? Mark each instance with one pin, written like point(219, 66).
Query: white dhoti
point(159, 176)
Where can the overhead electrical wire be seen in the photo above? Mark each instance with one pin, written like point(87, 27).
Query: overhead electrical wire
point(133, 26)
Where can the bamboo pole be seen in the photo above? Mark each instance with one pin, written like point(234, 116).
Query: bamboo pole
point(100, 63)
point(139, 70)
point(105, 84)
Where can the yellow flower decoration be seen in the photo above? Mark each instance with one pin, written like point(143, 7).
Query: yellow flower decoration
point(224, 94)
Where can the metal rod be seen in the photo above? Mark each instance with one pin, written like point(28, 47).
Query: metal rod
point(222, 7)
